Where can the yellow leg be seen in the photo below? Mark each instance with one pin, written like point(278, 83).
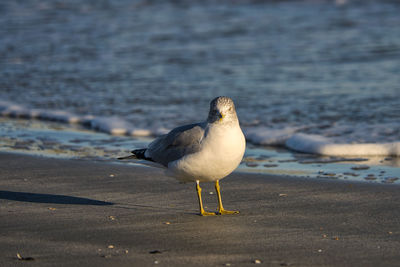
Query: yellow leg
point(221, 210)
point(202, 212)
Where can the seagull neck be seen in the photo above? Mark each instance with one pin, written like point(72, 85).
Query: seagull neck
point(223, 124)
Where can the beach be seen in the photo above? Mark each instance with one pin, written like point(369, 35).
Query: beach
point(315, 86)
point(70, 212)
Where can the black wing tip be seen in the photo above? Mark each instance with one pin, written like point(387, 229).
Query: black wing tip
point(140, 154)
point(137, 154)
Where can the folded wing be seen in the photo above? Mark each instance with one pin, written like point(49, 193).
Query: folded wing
point(179, 142)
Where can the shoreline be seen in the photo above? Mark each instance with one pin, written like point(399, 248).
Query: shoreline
point(63, 141)
point(290, 137)
point(71, 212)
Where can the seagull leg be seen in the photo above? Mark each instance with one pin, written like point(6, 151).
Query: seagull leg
point(221, 210)
point(202, 212)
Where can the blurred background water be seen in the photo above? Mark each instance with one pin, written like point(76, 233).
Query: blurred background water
point(326, 67)
point(160, 62)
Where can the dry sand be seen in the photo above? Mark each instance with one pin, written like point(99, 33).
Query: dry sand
point(57, 212)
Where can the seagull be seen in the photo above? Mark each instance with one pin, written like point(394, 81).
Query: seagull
point(202, 152)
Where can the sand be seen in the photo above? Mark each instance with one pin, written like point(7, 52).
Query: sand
point(57, 212)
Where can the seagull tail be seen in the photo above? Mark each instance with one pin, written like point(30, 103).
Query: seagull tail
point(128, 157)
point(137, 154)
point(141, 154)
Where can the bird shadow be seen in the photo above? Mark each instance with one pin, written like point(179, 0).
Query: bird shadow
point(50, 199)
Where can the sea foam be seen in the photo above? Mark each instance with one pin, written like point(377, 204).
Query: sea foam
point(316, 144)
point(110, 125)
point(289, 137)
point(269, 137)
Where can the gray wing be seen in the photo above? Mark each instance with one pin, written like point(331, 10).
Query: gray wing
point(177, 143)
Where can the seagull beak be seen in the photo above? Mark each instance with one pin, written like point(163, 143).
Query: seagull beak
point(221, 116)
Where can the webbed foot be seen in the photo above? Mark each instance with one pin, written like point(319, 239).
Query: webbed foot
point(205, 213)
point(226, 212)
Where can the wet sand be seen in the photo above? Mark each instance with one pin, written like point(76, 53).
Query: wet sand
point(56, 212)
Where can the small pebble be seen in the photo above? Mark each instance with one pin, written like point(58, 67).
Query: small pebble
point(249, 159)
point(351, 174)
point(156, 262)
point(287, 160)
point(270, 165)
point(319, 250)
point(19, 257)
point(360, 167)
point(251, 164)
point(390, 180)
point(370, 177)
point(112, 175)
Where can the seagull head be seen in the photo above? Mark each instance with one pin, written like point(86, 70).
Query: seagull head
point(222, 110)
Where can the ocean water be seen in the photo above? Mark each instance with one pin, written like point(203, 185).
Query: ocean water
point(320, 77)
